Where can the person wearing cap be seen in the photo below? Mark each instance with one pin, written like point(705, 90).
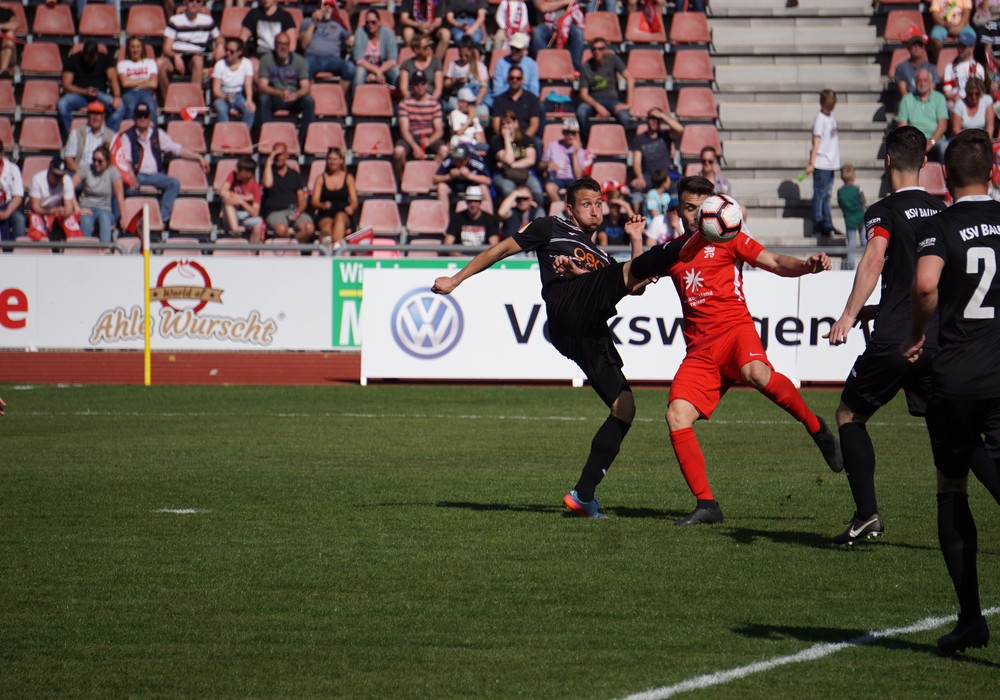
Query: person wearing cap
point(420, 120)
point(653, 150)
point(139, 78)
point(906, 72)
point(90, 75)
point(466, 18)
point(144, 146)
point(101, 195)
point(517, 210)
point(463, 121)
point(323, 40)
point(53, 209)
point(517, 58)
point(375, 52)
point(951, 20)
point(958, 71)
point(85, 138)
point(599, 96)
point(471, 226)
point(283, 83)
point(526, 106)
point(188, 36)
point(563, 160)
point(461, 170)
point(544, 33)
point(424, 61)
point(12, 221)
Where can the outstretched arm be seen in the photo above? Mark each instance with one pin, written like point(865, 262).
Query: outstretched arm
point(865, 279)
point(486, 259)
point(788, 266)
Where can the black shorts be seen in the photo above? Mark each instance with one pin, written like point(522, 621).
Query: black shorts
point(578, 310)
point(957, 427)
point(879, 373)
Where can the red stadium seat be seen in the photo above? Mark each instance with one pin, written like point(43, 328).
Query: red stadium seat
point(932, 179)
point(279, 132)
point(693, 66)
point(191, 215)
point(222, 170)
point(372, 101)
point(495, 56)
point(40, 134)
point(602, 25)
point(427, 247)
point(40, 97)
point(604, 170)
point(22, 20)
point(278, 247)
point(232, 247)
point(177, 252)
point(315, 168)
point(99, 20)
point(900, 25)
point(555, 66)
point(372, 139)
point(382, 215)
point(190, 135)
point(183, 95)
point(55, 21)
point(553, 132)
point(418, 177)
point(426, 216)
point(133, 205)
point(8, 104)
point(322, 136)
point(696, 103)
point(231, 138)
point(647, 65)
point(41, 59)
point(330, 100)
point(375, 177)
point(608, 141)
point(645, 98)
point(636, 35)
point(946, 56)
point(232, 21)
point(899, 55)
point(31, 251)
point(6, 134)
point(190, 175)
point(690, 28)
point(147, 21)
point(31, 166)
point(696, 137)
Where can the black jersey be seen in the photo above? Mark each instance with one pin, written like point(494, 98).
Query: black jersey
point(967, 237)
point(900, 218)
point(552, 236)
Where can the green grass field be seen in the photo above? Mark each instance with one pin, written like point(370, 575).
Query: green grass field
point(410, 541)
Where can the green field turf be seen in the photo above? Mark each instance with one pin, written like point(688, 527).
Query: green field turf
point(409, 542)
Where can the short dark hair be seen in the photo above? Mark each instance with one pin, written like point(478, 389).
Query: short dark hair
point(90, 51)
point(246, 163)
point(969, 158)
point(659, 177)
point(695, 184)
point(905, 147)
point(466, 42)
point(584, 183)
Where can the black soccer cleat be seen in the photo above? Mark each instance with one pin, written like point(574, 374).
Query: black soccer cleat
point(829, 446)
point(860, 528)
point(706, 513)
point(973, 634)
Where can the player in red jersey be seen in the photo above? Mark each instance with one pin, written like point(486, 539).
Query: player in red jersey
point(723, 346)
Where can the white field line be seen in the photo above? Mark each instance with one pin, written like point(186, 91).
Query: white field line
point(811, 654)
point(181, 511)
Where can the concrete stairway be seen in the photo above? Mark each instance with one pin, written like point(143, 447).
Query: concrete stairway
point(770, 62)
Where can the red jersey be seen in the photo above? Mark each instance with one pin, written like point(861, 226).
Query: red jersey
point(710, 288)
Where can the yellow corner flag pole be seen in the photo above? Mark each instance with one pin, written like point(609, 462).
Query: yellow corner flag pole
point(147, 364)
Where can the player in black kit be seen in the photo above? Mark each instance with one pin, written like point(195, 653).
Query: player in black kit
point(958, 254)
point(578, 307)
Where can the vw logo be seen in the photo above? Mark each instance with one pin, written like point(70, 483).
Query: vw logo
point(426, 325)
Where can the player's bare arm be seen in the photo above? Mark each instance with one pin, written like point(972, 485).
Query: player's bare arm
point(2, 407)
point(865, 279)
point(923, 301)
point(486, 259)
point(788, 266)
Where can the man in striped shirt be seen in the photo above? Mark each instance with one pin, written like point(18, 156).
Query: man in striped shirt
point(186, 39)
point(421, 126)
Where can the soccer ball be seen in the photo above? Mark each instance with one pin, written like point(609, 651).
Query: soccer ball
point(720, 218)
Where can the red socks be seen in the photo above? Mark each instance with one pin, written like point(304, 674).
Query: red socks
point(782, 392)
point(692, 462)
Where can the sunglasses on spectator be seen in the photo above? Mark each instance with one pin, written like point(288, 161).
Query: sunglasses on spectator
point(707, 161)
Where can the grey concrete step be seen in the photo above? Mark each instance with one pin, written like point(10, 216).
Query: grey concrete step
point(798, 78)
point(820, 40)
point(771, 192)
point(780, 8)
point(780, 99)
point(764, 115)
point(775, 230)
point(795, 154)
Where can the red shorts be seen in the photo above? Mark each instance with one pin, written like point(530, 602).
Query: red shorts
point(709, 369)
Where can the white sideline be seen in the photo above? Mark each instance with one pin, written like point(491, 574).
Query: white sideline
point(811, 654)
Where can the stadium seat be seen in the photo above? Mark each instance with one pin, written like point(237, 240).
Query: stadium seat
point(647, 66)
point(427, 247)
point(372, 101)
point(99, 20)
point(495, 56)
point(426, 217)
point(634, 33)
point(418, 177)
point(279, 132)
point(55, 21)
point(192, 251)
point(31, 166)
point(900, 25)
point(322, 136)
point(555, 66)
point(946, 56)
point(222, 170)
point(147, 21)
point(31, 251)
point(8, 104)
point(553, 131)
point(385, 253)
point(696, 103)
point(315, 168)
point(190, 135)
point(899, 55)
point(228, 246)
point(689, 28)
point(692, 66)
point(382, 215)
point(932, 179)
point(41, 59)
point(7, 134)
point(39, 97)
point(134, 205)
point(330, 100)
point(40, 134)
point(697, 137)
point(181, 96)
point(646, 97)
point(190, 175)
point(604, 170)
point(602, 25)
point(72, 249)
point(608, 141)
point(191, 215)
point(231, 138)
point(297, 15)
point(277, 247)
point(130, 243)
point(232, 21)
point(18, 9)
point(375, 177)
point(372, 139)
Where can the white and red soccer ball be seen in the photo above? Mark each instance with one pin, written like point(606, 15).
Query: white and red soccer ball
point(720, 218)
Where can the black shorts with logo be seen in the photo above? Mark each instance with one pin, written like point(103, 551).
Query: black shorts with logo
point(957, 427)
point(879, 373)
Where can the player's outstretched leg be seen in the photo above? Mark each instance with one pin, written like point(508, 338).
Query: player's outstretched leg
point(959, 544)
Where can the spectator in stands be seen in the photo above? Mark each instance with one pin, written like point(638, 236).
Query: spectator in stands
point(662, 222)
point(612, 228)
point(54, 211)
point(138, 76)
point(906, 72)
point(461, 170)
point(951, 19)
point(526, 106)
point(423, 61)
point(263, 24)
point(511, 18)
point(986, 20)
point(334, 198)
point(466, 18)
point(513, 158)
point(824, 161)
point(101, 195)
point(188, 36)
point(599, 88)
point(8, 51)
point(425, 17)
point(241, 196)
point(851, 201)
point(284, 204)
point(421, 126)
point(84, 139)
point(926, 110)
point(323, 41)
point(90, 75)
point(518, 58)
point(712, 170)
point(544, 32)
point(472, 226)
point(12, 222)
point(653, 150)
point(562, 162)
point(232, 85)
point(517, 210)
point(283, 83)
point(463, 121)
point(468, 71)
point(958, 71)
point(975, 110)
point(375, 53)
point(145, 146)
